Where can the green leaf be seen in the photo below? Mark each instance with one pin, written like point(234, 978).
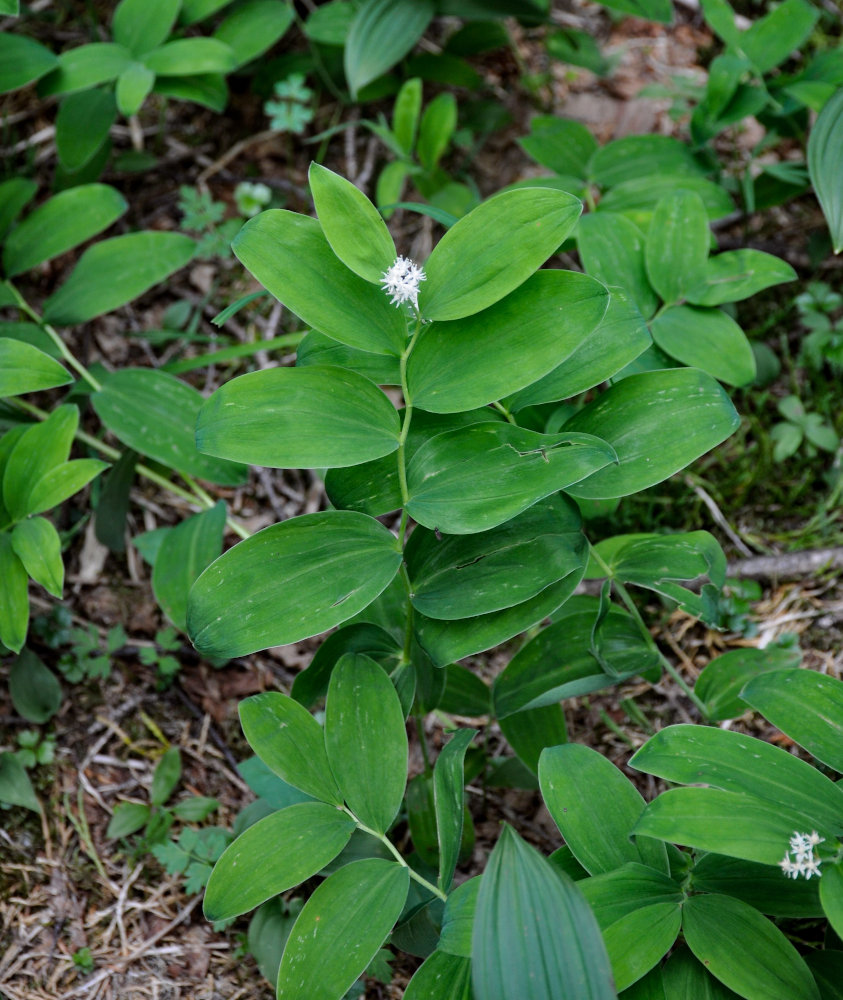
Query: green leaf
point(657, 562)
point(185, 552)
point(133, 87)
point(637, 942)
point(534, 936)
point(805, 705)
point(762, 886)
point(113, 272)
point(825, 150)
point(465, 693)
point(744, 950)
point(290, 256)
point(15, 787)
point(321, 417)
point(274, 855)
point(290, 742)
point(290, 581)
point(620, 338)
point(638, 196)
point(441, 977)
point(506, 347)
point(253, 27)
point(475, 478)
point(112, 507)
point(405, 112)
point(706, 339)
point(531, 731)
point(436, 129)
point(382, 32)
point(652, 10)
point(39, 451)
point(35, 690)
point(341, 928)
point(84, 67)
point(311, 684)
point(690, 754)
point(738, 274)
point(82, 125)
point(141, 25)
point(684, 976)
point(318, 350)
point(676, 250)
point(449, 802)
point(595, 808)
point(505, 239)
point(559, 663)
point(458, 918)
point(351, 224)
point(24, 368)
point(633, 886)
point(66, 220)
point(632, 417)
point(155, 414)
point(447, 641)
point(207, 89)
point(15, 194)
point(831, 894)
point(61, 482)
point(827, 970)
point(774, 37)
point(641, 156)
point(128, 818)
point(732, 823)
point(165, 777)
point(188, 56)
point(562, 145)
point(37, 544)
point(22, 60)
point(459, 576)
point(612, 249)
point(366, 740)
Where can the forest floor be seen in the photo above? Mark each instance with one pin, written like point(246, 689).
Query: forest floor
point(64, 887)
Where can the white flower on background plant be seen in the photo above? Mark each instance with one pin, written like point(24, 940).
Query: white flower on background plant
point(402, 281)
point(803, 862)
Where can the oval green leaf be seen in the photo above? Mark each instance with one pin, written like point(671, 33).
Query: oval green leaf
point(612, 249)
point(275, 854)
point(494, 249)
point(38, 546)
point(658, 423)
point(155, 414)
point(825, 153)
point(366, 740)
point(298, 418)
point(24, 368)
point(113, 272)
point(290, 581)
point(341, 928)
point(473, 361)
point(738, 274)
point(382, 32)
point(22, 60)
point(475, 478)
point(707, 339)
point(290, 257)
point(677, 245)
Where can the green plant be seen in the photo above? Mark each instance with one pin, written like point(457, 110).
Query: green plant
point(194, 852)
point(202, 218)
point(150, 52)
point(290, 109)
point(83, 960)
point(800, 427)
point(495, 550)
point(821, 312)
point(35, 748)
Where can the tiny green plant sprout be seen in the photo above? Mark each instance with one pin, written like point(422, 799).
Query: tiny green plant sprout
point(480, 473)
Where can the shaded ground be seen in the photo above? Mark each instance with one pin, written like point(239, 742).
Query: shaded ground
point(63, 887)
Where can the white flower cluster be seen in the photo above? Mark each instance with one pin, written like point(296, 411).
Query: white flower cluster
point(401, 281)
point(804, 863)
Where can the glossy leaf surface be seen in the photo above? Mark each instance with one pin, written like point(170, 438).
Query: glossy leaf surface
point(24, 368)
point(290, 581)
point(825, 152)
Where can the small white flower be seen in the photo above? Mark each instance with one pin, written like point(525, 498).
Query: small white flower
point(804, 863)
point(402, 280)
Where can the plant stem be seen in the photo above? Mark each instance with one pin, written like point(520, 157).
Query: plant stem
point(198, 499)
point(53, 334)
point(624, 595)
point(396, 854)
point(502, 409)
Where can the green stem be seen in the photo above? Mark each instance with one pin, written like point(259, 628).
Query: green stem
point(396, 854)
point(502, 409)
point(197, 499)
point(53, 334)
point(230, 353)
point(631, 607)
